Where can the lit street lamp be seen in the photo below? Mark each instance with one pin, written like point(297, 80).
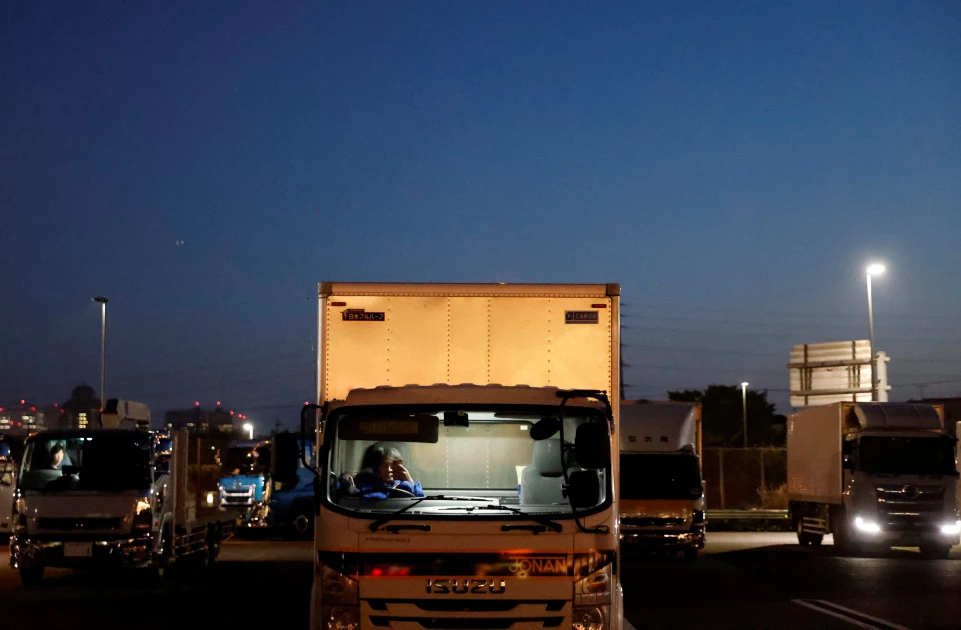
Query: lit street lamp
point(875, 269)
point(744, 409)
point(249, 428)
point(103, 350)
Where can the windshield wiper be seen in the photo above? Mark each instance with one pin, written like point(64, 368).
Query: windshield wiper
point(547, 524)
point(374, 526)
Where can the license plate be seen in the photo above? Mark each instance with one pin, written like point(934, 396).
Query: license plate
point(77, 550)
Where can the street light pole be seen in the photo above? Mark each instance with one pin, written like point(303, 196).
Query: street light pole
point(875, 269)
point(744, 410)
point(103, 350)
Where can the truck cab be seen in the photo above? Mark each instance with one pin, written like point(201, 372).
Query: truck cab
point(661, 491)
point(288, 498)
point(243, 483)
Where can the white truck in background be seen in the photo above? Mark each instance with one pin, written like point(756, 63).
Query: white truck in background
point(875, 475)
point(661, 499)
point(489, 402)
point(116, 498)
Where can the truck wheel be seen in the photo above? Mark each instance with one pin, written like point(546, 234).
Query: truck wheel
point(690, 556)
point(935, 550)
point(816, 539)
point(31, 576)
point(802, 536)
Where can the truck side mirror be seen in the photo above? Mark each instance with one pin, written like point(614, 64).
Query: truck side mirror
point(584, 488)
point(593, 446)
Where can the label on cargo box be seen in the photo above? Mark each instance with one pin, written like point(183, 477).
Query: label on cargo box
point(363, 316)
point(580, 317)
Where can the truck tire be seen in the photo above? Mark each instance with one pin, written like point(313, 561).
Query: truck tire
point(933, 550)
point(31, 576)
point(802, 536)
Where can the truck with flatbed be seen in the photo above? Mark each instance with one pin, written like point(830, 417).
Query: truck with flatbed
point(875, 475)
point(661, 493)
point(117, 498)
point(465, 468)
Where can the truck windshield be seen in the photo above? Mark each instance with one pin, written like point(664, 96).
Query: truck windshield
point(240, 460)
point(107, 462)
point(381, 461)
point(906, 455)
point(659, 476)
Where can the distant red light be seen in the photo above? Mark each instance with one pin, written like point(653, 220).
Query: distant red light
point(22, 401)
point(56, 404)
point(306, 403)
point(218, 403)
point(403, 571)
point(231, 413)
point(197, 404)
point(18, 424)
point(377, 572)
point(33, 408)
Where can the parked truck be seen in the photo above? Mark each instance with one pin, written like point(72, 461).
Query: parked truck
point(465, 469)
point(661, 493)
point(278, 495)
point(244, 479)
point(875, 475)
point(117, 498)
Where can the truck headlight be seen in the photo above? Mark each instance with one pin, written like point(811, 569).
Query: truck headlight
point(589, 618)
point(868, 527)
point(594, 588)
point(337, 588)
point(951, 529)
point(341, 618)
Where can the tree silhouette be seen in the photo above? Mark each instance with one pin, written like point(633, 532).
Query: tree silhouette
point(722, 416)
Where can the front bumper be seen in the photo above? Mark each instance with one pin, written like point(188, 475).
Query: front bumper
point(134, 552)
point(654, 539)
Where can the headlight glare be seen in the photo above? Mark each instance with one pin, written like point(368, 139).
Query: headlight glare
point(951, 529)
point(868, 527)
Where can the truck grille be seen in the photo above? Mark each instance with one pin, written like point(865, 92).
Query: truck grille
point(909, 507)
point(238, 498)
point(449, 614)
point(79, 524)
point(644, 521)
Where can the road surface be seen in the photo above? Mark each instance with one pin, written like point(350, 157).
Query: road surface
point(742, 580)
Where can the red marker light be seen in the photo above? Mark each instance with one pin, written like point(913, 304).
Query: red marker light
point(22, 401)
point(306, 403)
point(56, 404)
point(33, 408)
point(231, 413)
point(402, 571)
point(197, 404)
point(218, 403)
point(377, 572)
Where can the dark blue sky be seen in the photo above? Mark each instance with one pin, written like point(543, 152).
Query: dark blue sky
point(732, 165)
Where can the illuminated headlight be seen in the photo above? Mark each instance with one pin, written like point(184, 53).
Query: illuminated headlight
point(589, 618)
point(595, 588)
point(952, 529)
point(868, 527)
point(142, 514)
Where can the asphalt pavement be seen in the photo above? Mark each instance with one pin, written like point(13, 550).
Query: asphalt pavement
point(742, 580)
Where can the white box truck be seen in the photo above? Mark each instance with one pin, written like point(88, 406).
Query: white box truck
point(464, 440)
point(661, 500)
point(116, 498)
point(875, 475)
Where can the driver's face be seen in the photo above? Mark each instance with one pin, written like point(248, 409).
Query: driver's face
point(57, 459)
point(386, 470)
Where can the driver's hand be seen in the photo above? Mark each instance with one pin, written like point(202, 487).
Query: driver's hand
point(402, 473)
point(348, 479)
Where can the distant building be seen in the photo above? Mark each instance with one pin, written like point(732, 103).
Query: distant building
point(22, 416)
point(82, 411)
point(198, 420)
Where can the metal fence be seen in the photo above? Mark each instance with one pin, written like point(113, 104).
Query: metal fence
point(745, 478)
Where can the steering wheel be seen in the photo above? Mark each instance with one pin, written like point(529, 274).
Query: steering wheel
point(400, 492)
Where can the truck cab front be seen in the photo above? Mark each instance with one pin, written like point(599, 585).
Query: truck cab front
point(441, 503)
